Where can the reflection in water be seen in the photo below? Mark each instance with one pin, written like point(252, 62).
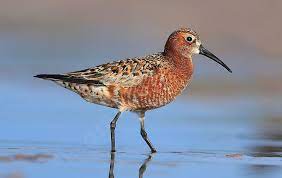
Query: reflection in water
point(142, 168)
point(270, 131)
point(269, 135)
point(112, 165)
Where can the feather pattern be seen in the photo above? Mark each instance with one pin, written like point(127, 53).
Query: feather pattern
point(126, 73)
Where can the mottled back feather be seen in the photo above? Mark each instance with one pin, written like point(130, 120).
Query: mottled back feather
point(125, 73)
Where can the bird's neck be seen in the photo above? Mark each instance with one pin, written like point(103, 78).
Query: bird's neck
point(183, 63)
point(181, 71)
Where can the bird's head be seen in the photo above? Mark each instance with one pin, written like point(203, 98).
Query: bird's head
point(186, 42)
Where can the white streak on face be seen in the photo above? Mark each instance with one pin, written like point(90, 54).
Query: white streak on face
point(197, 49)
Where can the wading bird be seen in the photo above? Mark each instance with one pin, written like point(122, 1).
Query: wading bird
point(139, 84)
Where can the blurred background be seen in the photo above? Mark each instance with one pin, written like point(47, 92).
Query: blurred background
point(220, 113)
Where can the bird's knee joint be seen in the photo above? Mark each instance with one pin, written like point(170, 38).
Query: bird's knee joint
point(143, 133)
point(112, 125)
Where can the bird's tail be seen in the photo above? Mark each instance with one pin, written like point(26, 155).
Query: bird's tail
point(51, 76)
point(66, 78)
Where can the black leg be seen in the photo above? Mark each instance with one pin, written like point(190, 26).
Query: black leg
point(144, 133)
point(113, 126)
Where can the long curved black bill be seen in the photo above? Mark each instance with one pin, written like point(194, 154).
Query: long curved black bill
point(210, 55)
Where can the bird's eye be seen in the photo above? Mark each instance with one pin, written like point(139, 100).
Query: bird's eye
point(189, 38)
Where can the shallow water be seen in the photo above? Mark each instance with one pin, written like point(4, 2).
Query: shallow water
point(83, 161)
point(54, 133)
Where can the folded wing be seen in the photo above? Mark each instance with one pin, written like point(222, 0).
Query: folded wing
point(125, 73)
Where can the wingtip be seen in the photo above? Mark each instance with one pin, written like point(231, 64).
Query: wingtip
point(39, 76)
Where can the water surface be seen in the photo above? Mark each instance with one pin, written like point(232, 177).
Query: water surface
point(52, 132)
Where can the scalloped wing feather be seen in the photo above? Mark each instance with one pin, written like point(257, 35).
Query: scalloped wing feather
point(125, 73)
